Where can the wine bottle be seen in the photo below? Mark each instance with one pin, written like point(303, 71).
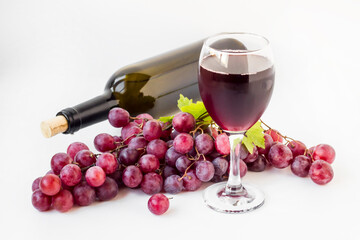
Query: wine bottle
point(151, 86)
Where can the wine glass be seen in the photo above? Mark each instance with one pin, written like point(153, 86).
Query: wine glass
point(236, 80)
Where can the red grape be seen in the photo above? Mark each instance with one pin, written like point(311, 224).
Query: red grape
point(243, 151)
point(138, 143)
point(192, 153)
point(220, 165)
point(182, 163)
point(258, 165)
point(301, 165)
point(157, 147)
point(50, 184)
point(151, 183)
point(214, 131)
point(128, 156)
point(280, 156)
point(183, 143)
point(84, 194)
point(118, 117)
point(117, 140)
point(251, 157)
point(132, 176)
point(104, 142)
point(222, 144)
point(165, 134)
point(268, 143)
point(168, 171)
point(202, 158)
point(191, 182)
point(143, 117)
point(107, 162)
point(169, 143)
point(85, 158)
point(214, 154)
point(95, 176)
point(70, 175)
point(152, 130)
point(129, 131)
point(64, 186)
point(324, 152)
point(204, 144)
point(243, 168)
point(36, 184)
point(183, 122)
point(218, 178)
point(63, 201)
point(75, 147)
point(108, 190)
point(205, 171)
point(321, 172)
point(58, 161)
point(40, 201)
point(173, 184)
point(148, 163)
point(275, 135)
point(117, 176)
point(297, 148)
point(158, 204)
point(174, 134)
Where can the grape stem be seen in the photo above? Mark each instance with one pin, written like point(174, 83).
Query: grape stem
point(86, 168)
point(285, 137)
point(197, 128)
point(116, 149)
point(167, 127)
point(197, 158)
point(186, 170)
point(135, 118)
point(161, 169)
point(307, 152)
point(136, 135)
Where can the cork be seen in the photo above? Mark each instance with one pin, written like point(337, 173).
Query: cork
point(51, 127)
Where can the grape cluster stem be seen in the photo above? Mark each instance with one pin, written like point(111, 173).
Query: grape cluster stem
point(287, 139)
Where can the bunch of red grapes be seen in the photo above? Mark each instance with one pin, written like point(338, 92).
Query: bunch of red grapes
point(164, 157)
point(314, 162)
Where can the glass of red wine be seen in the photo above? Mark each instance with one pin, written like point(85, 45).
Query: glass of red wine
point(236, 80)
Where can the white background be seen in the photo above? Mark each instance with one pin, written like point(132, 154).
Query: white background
point(55, 54)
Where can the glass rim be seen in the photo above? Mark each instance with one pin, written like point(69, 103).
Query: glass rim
point(236, 52)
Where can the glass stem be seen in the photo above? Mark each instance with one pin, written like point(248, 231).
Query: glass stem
point(233, 185)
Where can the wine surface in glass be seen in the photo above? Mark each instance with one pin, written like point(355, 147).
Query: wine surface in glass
point(236, 89)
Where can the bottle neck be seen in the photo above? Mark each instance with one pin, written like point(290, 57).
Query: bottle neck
point(89, 112)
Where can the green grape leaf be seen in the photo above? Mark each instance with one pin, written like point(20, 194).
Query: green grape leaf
point(255, 136)
point(183, 101)
point(248, 144)
point(166, 119)
point(196, 109)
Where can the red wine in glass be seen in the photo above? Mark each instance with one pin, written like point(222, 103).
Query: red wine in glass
point(236, 95)
point(236, 81)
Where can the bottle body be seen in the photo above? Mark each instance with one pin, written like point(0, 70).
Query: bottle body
point(151, 86)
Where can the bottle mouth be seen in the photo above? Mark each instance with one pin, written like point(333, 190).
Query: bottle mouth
point(248, 43)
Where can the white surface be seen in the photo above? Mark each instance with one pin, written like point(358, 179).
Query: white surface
point(55, 54)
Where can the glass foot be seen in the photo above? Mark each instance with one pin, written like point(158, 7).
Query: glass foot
point(249, 199)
